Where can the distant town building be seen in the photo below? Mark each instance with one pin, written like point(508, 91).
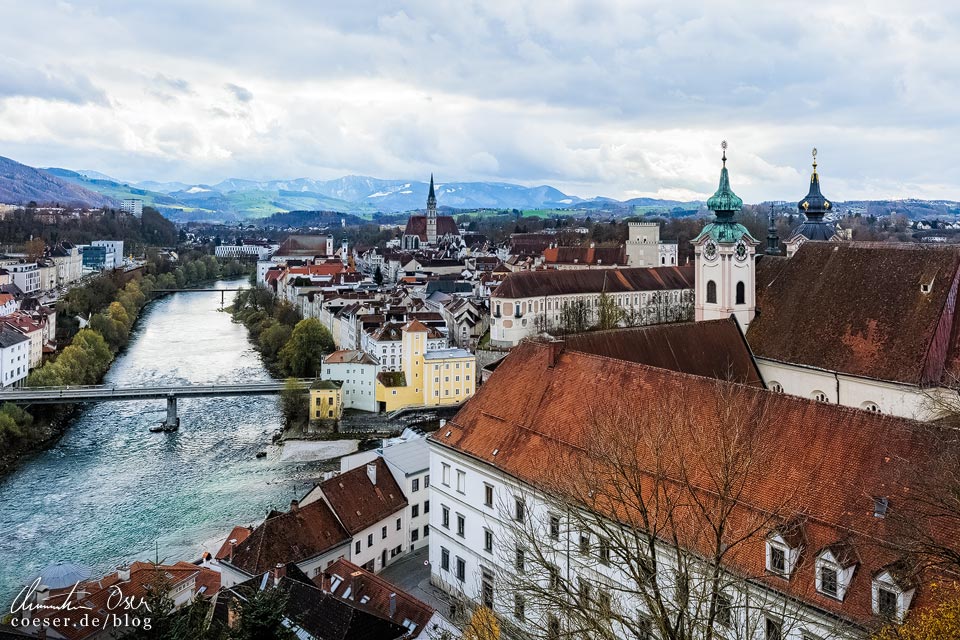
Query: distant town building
point(427, 230)
point(14, 356)
point(356, 371)
point(25, 275)
point(237, 251)
point(644, 248)
point(132, 206)
point(326, 401)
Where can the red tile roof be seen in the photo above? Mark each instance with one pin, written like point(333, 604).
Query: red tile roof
point(98, 592)
point(355, 583)
point(349, 356)
point(415, 326)
point(585, 255)
point(297, 535)
point(713, 349)
point(417, 226)
point(861, 308)
point(358, 502)
point(238, 535)
point(530, 412)
point(529, 284)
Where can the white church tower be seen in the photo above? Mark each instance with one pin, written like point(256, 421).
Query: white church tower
point(725, 263)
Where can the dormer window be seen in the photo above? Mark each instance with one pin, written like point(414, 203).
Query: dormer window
point(835, 567)
point(783, 549)
point(892, 593)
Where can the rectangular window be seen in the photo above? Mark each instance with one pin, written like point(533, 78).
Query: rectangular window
point(445, 517)
point(461, 525)
point(519, 510)
point(603, 550)
point(399, 525)
point(357, 550)
point(886, 603)
point(414, 535)
point(555, 527)
point(415, 511)
point(828, 581)
point(444, 559)
point(487, 496)
point(584, 543)
point(774, 629)
point(445, 478)
point(488, 540)
point(426, 506)
point(604, 603)
point(426, 481)
point(519, 560)
point(461, 481)
point(519, 611)
point(426, 530)
point(724, 613)
point(415, 485)
point(553, 627)
point(778, 560)
point(486, 589)
point(383, 533)
point(369, 540)
point(461, 569)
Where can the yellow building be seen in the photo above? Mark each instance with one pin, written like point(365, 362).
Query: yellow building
point(326, 400)
point(428, 378)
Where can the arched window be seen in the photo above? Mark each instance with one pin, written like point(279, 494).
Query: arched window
point(663, 259)
point(820, 396)
point(711, 292)
point(776, 387)
point(741, 293)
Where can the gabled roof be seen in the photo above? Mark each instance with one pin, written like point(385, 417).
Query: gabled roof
point(528, 284)
point(303, 246)
point(349, 356)
point(415, 326)
point(537, 406)
point(370, 592)
point(713, 349)
point(417, 226)
point(358, 502)
point(878, 310)
point(297, 535)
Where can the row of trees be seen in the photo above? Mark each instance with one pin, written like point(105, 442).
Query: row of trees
point(291, 345)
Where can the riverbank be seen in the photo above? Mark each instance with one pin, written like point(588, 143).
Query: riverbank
point(87, 361)
point(108, 492)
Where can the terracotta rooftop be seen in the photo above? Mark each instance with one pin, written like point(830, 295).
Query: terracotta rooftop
point(417, 226)
point(528, 284)
point(712, 349)
point(349, 356)
point(534, 409)
point(349, 582)
point(879, 310)
point(297, 535)
point(238, 535)
point(585, 255)
point(358, 502)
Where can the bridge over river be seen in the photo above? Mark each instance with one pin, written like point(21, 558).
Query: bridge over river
point(112, 392)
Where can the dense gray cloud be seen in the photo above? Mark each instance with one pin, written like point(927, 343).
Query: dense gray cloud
point(597, 97)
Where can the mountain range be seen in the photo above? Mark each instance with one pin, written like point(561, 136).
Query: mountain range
point(239, 199)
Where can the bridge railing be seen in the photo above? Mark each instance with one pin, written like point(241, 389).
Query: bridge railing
point(115, 387)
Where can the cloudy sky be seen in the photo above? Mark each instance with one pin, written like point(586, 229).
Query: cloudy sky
point(599, 97)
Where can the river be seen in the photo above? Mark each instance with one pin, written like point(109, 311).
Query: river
point(110, 492)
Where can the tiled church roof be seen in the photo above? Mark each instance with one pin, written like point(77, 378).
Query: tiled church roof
point(528, 284)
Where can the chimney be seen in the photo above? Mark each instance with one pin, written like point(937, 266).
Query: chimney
point(393, 605)
point(294, 506)
point(278, 573)
point(233, 545)
point(123, 573)
point(372, 472)
point(556, 348)
point(443, 422)
point(41, 594)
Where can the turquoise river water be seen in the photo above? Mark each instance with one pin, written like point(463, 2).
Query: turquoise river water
point(110, 492)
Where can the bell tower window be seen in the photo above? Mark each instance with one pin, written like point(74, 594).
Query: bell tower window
point(741, 293)
point(711, 292)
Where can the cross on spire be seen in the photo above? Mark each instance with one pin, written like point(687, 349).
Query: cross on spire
point(723, 145)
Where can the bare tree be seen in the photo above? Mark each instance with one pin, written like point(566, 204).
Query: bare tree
point(633, 531)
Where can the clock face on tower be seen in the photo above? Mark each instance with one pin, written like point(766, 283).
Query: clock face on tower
point(741, 251)
point(710, 250)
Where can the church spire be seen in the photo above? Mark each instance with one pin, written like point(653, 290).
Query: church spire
point(431, 199)
point(724, 203)
point(814, 206)
point(773, 240)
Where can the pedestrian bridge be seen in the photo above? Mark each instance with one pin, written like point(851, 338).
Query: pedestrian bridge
point(108, 392)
